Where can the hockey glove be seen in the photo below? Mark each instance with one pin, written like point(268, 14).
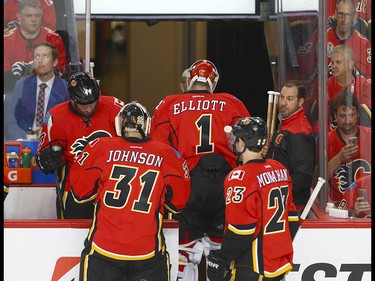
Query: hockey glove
point(50, 159)
point(218, 268)
point(21, 68)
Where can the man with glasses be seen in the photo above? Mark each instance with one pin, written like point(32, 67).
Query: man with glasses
point(343, 32)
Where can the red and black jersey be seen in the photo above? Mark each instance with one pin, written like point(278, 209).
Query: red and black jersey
point(49, 14)
point(19, 49)
point(293, 145)
point(359, 166)
point(260, 216)
point(72, 132)
point(132, 180)
point(351, 194)
point(194, 123)
point(358, 43)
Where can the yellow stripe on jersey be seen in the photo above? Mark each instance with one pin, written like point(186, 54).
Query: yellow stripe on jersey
point(237, 231)
point(121, 257)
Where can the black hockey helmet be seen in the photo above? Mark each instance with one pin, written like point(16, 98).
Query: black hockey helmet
point(83, 88)
point(252, 130)
point(133, 117)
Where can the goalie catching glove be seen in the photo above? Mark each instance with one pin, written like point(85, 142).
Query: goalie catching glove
point(50, 159)
point(217, 267)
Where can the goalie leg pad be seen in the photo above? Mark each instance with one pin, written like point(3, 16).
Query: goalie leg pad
point(190, 255)
point(187, 271)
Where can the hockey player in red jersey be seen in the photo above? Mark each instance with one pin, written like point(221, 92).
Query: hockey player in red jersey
point(132, 178)
point(193, 122)
point(261, 218)
point(70, 126)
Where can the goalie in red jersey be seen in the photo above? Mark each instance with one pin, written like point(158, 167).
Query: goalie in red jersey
point(261, 218)
point(193, 123)
point(133, 179)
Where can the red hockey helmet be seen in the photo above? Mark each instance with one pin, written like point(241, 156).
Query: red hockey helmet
point(203, 71)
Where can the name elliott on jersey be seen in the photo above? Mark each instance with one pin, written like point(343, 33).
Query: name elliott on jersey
point(198, 104)
point(135, 157)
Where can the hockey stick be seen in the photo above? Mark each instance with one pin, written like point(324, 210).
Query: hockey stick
point(57, 176)
point(312, 198)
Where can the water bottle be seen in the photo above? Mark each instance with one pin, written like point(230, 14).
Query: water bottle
point(13, 160)
point(26, 157)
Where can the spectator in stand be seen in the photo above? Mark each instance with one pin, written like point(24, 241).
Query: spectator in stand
point(363, 9)
point(347, 162)
point(68, 128)
point(11, 8)
point(184, 80)
point(360, 205)
point(20, 42)
point(345, 78)
point(342, 32)
point(131, 190)
point(27, 92)
point(193, 123)
point(293, 144)
point(261, 218)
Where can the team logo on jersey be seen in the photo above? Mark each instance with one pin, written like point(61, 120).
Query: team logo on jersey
point(356, 167)
point(279, 138)
point(78, 146)
point(73, 83)
point(305, 49)
point(237, 175)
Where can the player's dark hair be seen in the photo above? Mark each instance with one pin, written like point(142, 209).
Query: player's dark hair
point(301, 90)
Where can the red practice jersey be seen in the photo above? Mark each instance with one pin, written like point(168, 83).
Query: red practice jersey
point(131, 179)
point(259, 211)
point(19, 49)
point(351, 194)
point(359, 166)
point(71, 132)
point(195, 121)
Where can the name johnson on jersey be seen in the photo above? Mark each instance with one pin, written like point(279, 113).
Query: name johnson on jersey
point(134, 157)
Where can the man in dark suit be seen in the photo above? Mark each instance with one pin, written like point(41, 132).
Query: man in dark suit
point(27, 90)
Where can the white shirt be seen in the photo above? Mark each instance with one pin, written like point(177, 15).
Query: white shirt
point(47, 91)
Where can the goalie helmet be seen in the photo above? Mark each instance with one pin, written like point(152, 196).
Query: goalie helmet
point(203, 71)
point(133, 117)
point(252, 130)
point(83, 88)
